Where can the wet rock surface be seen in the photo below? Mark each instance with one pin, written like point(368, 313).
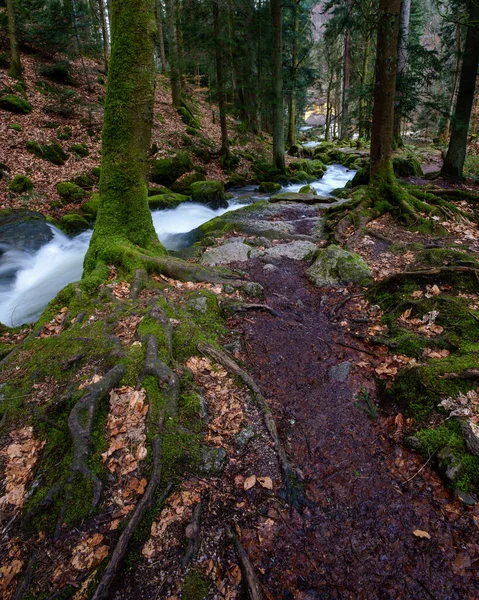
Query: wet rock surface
point(23, 230)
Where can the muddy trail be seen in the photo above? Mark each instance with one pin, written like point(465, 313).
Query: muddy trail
point(354, 539)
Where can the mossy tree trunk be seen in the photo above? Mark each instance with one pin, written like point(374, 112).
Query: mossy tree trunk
point(401, 69)
point(171, 15)
point(384, 92)
point(344, 133)
point(277, 76)
point(219, 53)
point(456, 152)
point(291, 138)
point(124, 219)
point(15, 65)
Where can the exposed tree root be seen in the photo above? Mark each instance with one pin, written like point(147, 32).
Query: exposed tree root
point(292, 491)
point(243, 307)
point(397, 278)
point(193, 536)
point(139, 281)
point(249, 574)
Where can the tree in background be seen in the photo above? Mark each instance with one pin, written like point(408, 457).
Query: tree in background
point(15, 66)
point(277, 97)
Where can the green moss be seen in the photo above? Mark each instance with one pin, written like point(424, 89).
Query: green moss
point(15, 104)
point(79, 150)
point(64, 134)
point(58, 72)
point(308, 189)
point(269, 187)
point(20, 183)
point(84, 180)
point(183, 184)
point(167, 170)
point(166, 200)
point(90, 207)
point(70, 192)
point(188, 118)
point(73, 223)
point(195, 586)
point(209, 192)
point(53, 152)
point(15, 127)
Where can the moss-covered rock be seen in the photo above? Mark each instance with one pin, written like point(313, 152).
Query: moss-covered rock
point(65, 133)
point(73, 223)
point(165, 171)
point(294, 150)
point(269, 187)
point(79, 150)
point(20, 183)
point(407, 166)
point(361, 177)
point(183, 184)
point(90, 207)
point(53, 152)
point(84, 180)
point(170, 200)
point(336, 266)
point(308, 189)
point(15, 127)
point(58, 72)
point(314, 168)
point(265, 171)
point(301, 177)
point(70, 192)
point(188, 118)
point(209, 192)
point(15, 104)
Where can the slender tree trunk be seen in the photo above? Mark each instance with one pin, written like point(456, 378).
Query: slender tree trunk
point(344, 133)
point(219, 50)
point(456, 152)
point(104, 33)
point(259, 69)
point(15, 65)
point(328, 108)
point(171, 15)
point(161, 40)
point(124, 220)
point(291, 138)
point(401, 68)
point(277, 76)
point(364, 78)
point(384, 91)
point(445, 132)
point(180, 46)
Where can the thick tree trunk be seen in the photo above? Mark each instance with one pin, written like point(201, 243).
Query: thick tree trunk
point(277, 76)
point(15, 65)
point(224, 152)
point(104, 33)
point(401, 67)
point(384, 91)
point(170, 7)
point(344, 133)
point(456, 152)
point(161, 40)
point(124, 219)
point(291, 139)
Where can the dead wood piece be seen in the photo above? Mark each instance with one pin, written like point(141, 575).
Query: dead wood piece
point(466, 374)
point(428, 272)
point(340, 304)
point(293, 479)
point(193, 535)
point(168, 382)
point(80, 423)
point(249, 574)
point(26, 579)
point(140, 280)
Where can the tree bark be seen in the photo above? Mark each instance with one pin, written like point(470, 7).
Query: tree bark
point(384, 91)
point(456, 152)
point(401, 67)
point(277, 76)
point(124, 220)
point(219, 50)
point(291, 139)
point(364, 78)
point(104, 33)
point(15, 64)
point(344, 133)
point(161, 40)
point(170, 7)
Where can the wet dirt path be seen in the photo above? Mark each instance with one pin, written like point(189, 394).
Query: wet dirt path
point(355, 540)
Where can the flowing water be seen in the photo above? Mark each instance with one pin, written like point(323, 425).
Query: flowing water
point(29, 280)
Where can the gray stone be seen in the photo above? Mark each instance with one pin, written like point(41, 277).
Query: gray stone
point(233, 347)
point(225, 254)
point(297, 250)
point(234, 240)
point(303, 198)
point(466, 498)
point(269, 268)
point(449, 463)
point(340, 372)
point(204, 413)
point(260, 241)
point(199, 304)
point(228, 289)
point(214, 460)
point(253, 290)
point(335, 266)
point(244, 436)
point(411, 441)
point(23, 230)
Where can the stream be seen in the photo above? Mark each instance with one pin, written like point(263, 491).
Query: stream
point(29, 280)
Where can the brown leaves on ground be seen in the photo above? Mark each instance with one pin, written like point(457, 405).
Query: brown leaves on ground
point(390, 365)
point(12, 563)
point(86, 555)
point(127, 327)
point(463, 405)
point(126, 427)
point(20, 456)
point(10, 337)
point(225, 399)
point(177, 511)
point(56, 325)
point(425, 325)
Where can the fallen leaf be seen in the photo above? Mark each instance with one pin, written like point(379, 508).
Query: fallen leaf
point(421, 534)
point(249, 482)
point(265, 482)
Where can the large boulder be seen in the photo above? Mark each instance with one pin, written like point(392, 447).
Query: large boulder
point(209, 192)
point(166, 200)
point(165, 171)
point(183, 184)
point(14, 104)
point(23, 230)
point(336, 266)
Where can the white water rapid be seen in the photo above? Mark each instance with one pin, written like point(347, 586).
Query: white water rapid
point(29, 280)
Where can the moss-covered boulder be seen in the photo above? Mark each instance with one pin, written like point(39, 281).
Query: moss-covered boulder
point(73, 223)
point(335, 266)
point(407, 166)
point(301, 177)
point(209, 192)
point(321, 155)
point(79, 150)
point(59, 72)
point(188, 117)
point(84, 180)
point(20, 184)
point(294, 150)
point(53, 152)
point(182, 185)
point(314, 168)
point(265, 171)
point(361, 177)
point(269, 187)
point(15, 127)
point(70, 192)
point(15, 104)
point(308, 189)
point(165, 171)
point(24, 229)
point(170, 200)
point(90, 207)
